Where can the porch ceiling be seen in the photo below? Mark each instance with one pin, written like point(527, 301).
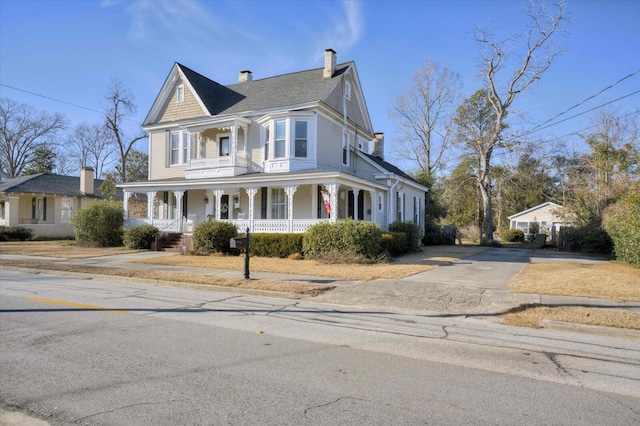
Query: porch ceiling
point(256, 180)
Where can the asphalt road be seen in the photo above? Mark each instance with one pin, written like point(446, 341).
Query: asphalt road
point(76, 351)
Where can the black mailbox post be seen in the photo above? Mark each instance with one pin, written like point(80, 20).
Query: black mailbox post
point(242, 243)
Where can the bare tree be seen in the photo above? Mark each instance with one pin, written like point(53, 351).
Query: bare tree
point(524, 59)
point(23, 129)
point(423, 116)
point(92, 145)
point(121, 106)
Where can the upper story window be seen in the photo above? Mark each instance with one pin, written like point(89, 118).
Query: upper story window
point(292, 137)
point(347, 90)
point(180, 93)
point(345, 148)
point(179, 148)
point(301, 139)
point(223, 142)
point(280, 139)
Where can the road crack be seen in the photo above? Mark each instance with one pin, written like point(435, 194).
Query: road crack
point(124, 407)
point(332, 402)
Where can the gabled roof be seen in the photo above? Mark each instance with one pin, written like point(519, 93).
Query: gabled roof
point(548, 203)
point(280, 91)
point(387, 166)
point(51, 184)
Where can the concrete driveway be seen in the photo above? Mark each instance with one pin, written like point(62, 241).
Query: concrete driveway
point(475, 286)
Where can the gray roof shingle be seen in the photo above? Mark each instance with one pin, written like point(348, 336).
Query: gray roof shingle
point(267, 93)
point(51, 184)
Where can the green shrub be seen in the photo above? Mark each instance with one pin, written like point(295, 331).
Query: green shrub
point(439, 235)
point(591, 239)
point(346, 236)
point(12, 233)
point(412, 231)
point(139, 237)
point(395, 243)
point(275, 245)
point(622, 223)
point(512, 236)
point(214, 236)
point(99, 224)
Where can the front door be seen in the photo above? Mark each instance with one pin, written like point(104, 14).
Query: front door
point(224, 207)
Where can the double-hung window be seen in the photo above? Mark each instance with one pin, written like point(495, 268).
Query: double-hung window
point(300, 148)
point(179, 148)
point(281, 139)
point(278, 204)
point(400, 207)
point(180, 93)
point(345, 148)
point(67, 209)
point(267, 137)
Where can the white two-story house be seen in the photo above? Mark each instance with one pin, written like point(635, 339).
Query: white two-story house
point(277, 154)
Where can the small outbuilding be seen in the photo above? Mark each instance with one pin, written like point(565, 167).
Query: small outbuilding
point(549, 216)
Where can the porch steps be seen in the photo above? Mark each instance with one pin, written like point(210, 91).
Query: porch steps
point(170, 241)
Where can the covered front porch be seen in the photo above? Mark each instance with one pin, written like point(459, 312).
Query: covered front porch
point(288, 203)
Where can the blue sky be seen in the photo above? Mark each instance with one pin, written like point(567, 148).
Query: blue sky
point(70, 50)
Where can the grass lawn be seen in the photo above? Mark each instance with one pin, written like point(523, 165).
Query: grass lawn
point(65, 249)
point(403, 266)
point(610, 280)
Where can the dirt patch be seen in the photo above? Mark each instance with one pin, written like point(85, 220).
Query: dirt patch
point(58, 249)
point(295, 287)
point(608, 280)
point(531, 315)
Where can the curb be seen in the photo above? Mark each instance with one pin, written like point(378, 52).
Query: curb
point(624, 333)
point(180, 284)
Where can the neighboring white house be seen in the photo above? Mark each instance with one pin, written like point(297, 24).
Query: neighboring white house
point(547, 215)
point(277, 154)
point(45, 202)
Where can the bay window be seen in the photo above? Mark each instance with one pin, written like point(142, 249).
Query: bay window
point(301, 139)
point(280, 139)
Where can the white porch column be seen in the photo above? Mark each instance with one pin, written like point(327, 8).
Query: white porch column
point(208, 207)
point(125, 204)
point(151, 198)
point(179, 195)
point(356, 193)
point(234, 144)
point(374, 205)
point(332, 189)
point(218, 193)
point(290, 190)
point(251, 193)
point(11, 211)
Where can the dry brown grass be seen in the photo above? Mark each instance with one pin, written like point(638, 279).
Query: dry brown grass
point(532, 316)
point(295, 287)
point(607, 280)
point(403, 266)
point(59, 249)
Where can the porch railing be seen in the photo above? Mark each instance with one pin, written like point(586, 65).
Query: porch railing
point(216, 162)
point(281, 226)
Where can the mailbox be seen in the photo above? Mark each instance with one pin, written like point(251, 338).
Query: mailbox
point(238, 242)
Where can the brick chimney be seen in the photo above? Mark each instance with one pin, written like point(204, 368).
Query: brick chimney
point(377, 145)
point(329, 63)
point(86, 180)
point(245, 76)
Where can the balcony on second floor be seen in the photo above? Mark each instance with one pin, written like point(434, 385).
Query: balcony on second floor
point(218, 150)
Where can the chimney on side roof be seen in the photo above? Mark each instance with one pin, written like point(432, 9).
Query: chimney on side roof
point(245, 76)
point(377, 145)
point(86, 180)
point(329, 63)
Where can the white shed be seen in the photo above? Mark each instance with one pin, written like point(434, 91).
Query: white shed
point(547, 215)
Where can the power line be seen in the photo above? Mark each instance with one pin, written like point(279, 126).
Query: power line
point(579, 114)
point(539, 126)
point(61, 101)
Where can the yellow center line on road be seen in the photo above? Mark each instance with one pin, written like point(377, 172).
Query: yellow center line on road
point(75, 305)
